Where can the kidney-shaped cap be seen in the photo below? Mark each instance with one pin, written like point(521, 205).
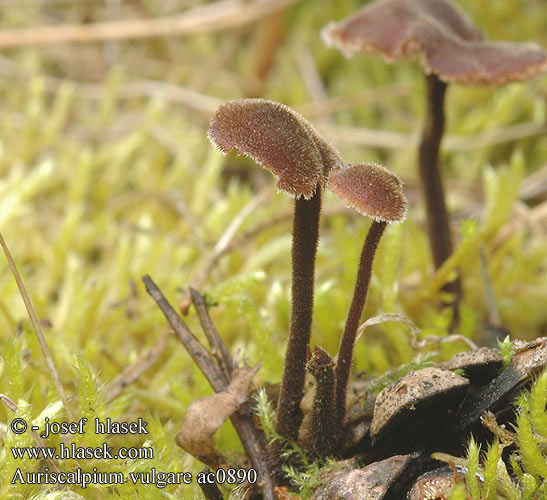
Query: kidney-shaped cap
point(444, 37)
point(371, 190)
point(277, 138)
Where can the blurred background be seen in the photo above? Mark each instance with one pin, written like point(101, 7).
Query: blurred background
point(106, 174)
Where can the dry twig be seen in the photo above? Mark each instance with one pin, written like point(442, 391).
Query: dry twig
point(253, 440)
point(210, 491)
point(199, 354)
point(218, 348)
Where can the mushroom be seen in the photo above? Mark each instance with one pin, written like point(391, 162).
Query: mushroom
point(321, 440)
point(374, 191)
point(451, 50)
point(285, 143)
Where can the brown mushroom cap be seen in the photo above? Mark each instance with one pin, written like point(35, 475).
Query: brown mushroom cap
point(370, 189)
point(277, 138)
point(444, 37)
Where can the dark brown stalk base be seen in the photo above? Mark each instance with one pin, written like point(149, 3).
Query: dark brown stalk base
point(322, 441)
point(345, 351)
point(438, 222)
point(304, 249)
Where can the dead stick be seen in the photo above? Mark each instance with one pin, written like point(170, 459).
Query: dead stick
point(38, 330)
point(254, 444)
point(199, 354)
point(135, 370)
point(253, 440)
point(218, 348)
point(216, 16)
point(211, 491)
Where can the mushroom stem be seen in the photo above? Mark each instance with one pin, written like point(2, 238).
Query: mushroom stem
point(304, 249)
point(345, 351)
point(322, 440)
point(438, 223)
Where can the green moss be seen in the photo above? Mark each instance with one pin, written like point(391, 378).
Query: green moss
point(105, 176)
point(527, 462)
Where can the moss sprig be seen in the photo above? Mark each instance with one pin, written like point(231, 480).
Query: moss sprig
point(528, 462)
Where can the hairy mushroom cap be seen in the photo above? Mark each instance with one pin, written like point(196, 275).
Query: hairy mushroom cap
point(444, 37)
point(371, 190)
point(277, 138)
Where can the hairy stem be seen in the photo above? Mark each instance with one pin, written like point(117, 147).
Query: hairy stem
point(304, 249)
point(438, 223)
point(323, 434)
point(345, 351)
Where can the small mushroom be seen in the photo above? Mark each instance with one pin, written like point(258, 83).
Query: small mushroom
point(420, 402)
point(285, 143)
point(321, 440)
point(374, 191)
point(451, 49)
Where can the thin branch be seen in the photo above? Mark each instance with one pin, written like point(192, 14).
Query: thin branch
point(218, 348)
point(199, 354)
point(38, 330)
point(135, 370)
point(213, 17)
point(211, 491)
point(253, 440)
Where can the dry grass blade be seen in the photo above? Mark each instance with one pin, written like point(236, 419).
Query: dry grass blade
point(414, 332)
point(398, 140)
point(227, 237)
point(134, 371)
point(10, 403)
point(212, 17)
point(38, 330)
